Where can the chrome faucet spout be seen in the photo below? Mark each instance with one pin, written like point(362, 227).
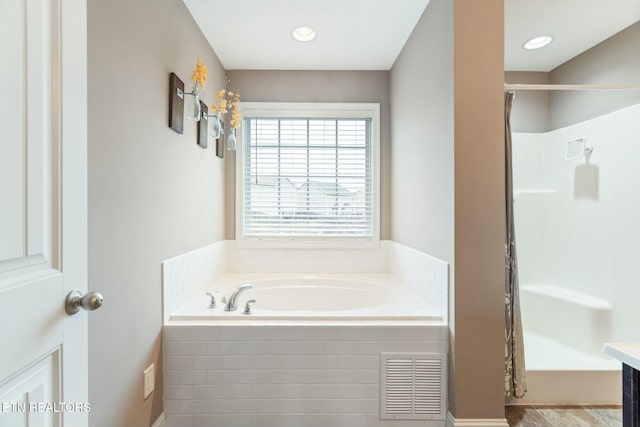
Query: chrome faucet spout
point(232, 304)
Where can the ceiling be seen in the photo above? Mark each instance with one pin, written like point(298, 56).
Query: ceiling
point(351, 34)
point(369, 35)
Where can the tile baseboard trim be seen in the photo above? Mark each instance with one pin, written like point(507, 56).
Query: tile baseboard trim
point(161, 421)
point(480, 422)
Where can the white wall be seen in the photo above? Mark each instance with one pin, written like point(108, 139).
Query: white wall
point(585, 215)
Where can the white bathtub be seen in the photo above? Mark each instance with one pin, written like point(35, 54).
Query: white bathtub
point(313, 297)
point(310, 352)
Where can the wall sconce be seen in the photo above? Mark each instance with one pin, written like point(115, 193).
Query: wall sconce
point(177, 94)
point(227, 102)
point(176, 104)
point(215, 126)
point(216, 131)
point(203, 125)
point(220, 141)
point(210, 124)
point(194, 112)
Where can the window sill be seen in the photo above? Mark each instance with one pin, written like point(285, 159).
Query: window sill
point(306, 244)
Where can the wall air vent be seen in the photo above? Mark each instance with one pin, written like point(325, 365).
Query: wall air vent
point(413, 386)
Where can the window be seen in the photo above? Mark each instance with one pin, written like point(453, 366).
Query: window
point(308, 172)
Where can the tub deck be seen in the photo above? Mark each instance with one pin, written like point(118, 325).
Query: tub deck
point(374, 298)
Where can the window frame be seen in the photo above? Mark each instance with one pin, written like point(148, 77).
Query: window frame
point(309, 110)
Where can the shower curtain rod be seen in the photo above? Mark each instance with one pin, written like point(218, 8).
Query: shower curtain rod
point(510, 87)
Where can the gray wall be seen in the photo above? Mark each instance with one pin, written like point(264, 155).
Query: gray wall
point(422, 135)
point(478, 323)
point(530, 112)
point(153, 194)
point(315, 86)
point(614, 61)
point(448, 182)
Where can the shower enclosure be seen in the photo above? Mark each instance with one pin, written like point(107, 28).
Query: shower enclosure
point(577, 215)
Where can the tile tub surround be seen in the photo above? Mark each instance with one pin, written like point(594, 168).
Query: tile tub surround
point(290, 372)
point(276, 374)
point(427, 275)
point(188, 274)
point(185, 277)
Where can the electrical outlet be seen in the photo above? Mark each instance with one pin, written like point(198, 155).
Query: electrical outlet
point(149, 380)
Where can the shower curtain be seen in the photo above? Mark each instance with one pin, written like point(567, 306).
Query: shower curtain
point(515, 381)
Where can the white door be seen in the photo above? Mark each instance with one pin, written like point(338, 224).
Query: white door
point(43, 219)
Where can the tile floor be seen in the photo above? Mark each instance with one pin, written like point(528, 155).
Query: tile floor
point(564, 416)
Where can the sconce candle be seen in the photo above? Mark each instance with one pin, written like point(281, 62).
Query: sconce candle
point(193, 107)
point(214, 127)
point(232, 143)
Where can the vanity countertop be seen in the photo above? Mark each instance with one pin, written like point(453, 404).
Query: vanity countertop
point(627, 353)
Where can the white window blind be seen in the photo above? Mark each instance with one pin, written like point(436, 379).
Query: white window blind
point(307, 178)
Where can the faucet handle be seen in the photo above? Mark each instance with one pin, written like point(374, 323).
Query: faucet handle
point(212, 302)
point(247, 307)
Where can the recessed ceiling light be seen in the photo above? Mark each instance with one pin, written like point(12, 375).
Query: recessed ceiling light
point(304, 34)
point(538, 42)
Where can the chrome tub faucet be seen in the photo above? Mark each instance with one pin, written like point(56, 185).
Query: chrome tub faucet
point(232, 305)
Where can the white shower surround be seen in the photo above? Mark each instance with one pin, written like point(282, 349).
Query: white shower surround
point(287, 367)
point(577, 235)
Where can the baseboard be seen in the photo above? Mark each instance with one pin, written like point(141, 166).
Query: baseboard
point(161, 421)
point(480, 422)
point(572, 388)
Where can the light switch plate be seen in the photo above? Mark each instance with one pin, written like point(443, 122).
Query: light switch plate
point(149, 380)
